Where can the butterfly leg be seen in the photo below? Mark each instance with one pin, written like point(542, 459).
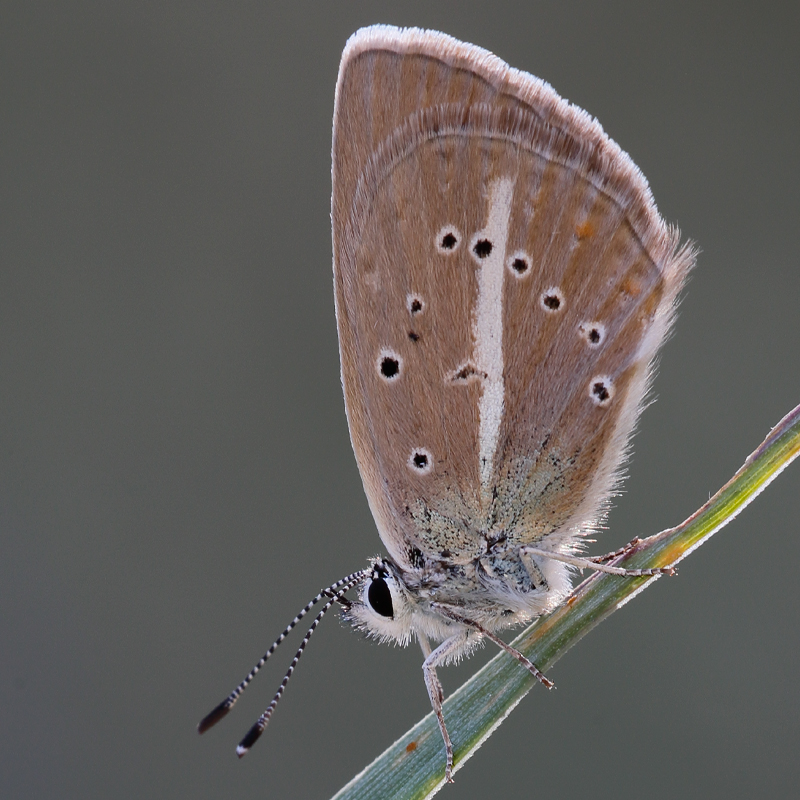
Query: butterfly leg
point(446, 651)
point(453, 614)
point(595, 564)
point(623, 551)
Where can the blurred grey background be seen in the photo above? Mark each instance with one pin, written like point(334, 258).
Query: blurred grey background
point(176, 478)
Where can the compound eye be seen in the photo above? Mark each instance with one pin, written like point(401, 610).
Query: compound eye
point(380, 598)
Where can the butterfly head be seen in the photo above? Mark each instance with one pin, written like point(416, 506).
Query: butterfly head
point(396, 605)
point(384, 608)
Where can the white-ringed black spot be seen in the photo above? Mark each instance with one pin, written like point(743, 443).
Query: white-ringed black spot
point(519, 264)
point(420, 461)
point(448, 239)
point(414, 304)
point(601, 390)
point(593, 333)
point(389, 365)
point(552, 300)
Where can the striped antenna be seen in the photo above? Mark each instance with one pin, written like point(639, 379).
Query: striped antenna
point(336, 594)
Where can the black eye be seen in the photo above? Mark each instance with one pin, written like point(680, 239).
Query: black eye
point(380, 598)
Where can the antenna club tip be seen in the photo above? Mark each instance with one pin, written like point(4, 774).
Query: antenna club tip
point(250, 738)
point(214, 717)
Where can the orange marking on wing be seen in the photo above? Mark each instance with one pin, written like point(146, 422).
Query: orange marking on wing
point(632, 285)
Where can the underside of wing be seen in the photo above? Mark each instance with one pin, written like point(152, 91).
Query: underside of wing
point(503, 282)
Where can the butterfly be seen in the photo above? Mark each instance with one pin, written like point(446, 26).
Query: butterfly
point(503, 282)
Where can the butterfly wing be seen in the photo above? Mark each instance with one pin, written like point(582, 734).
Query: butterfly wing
point(503, 282)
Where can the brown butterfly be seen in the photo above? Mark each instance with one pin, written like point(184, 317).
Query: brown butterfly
point(503, 282)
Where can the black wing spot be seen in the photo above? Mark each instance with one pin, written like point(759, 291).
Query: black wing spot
point(415, 304)
point(448, 240)
point(420, 461)
point(390, 365)
point(519, 264)
point(593, 332)
point(483, 248)
point(601, 390)
point(552, 300)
